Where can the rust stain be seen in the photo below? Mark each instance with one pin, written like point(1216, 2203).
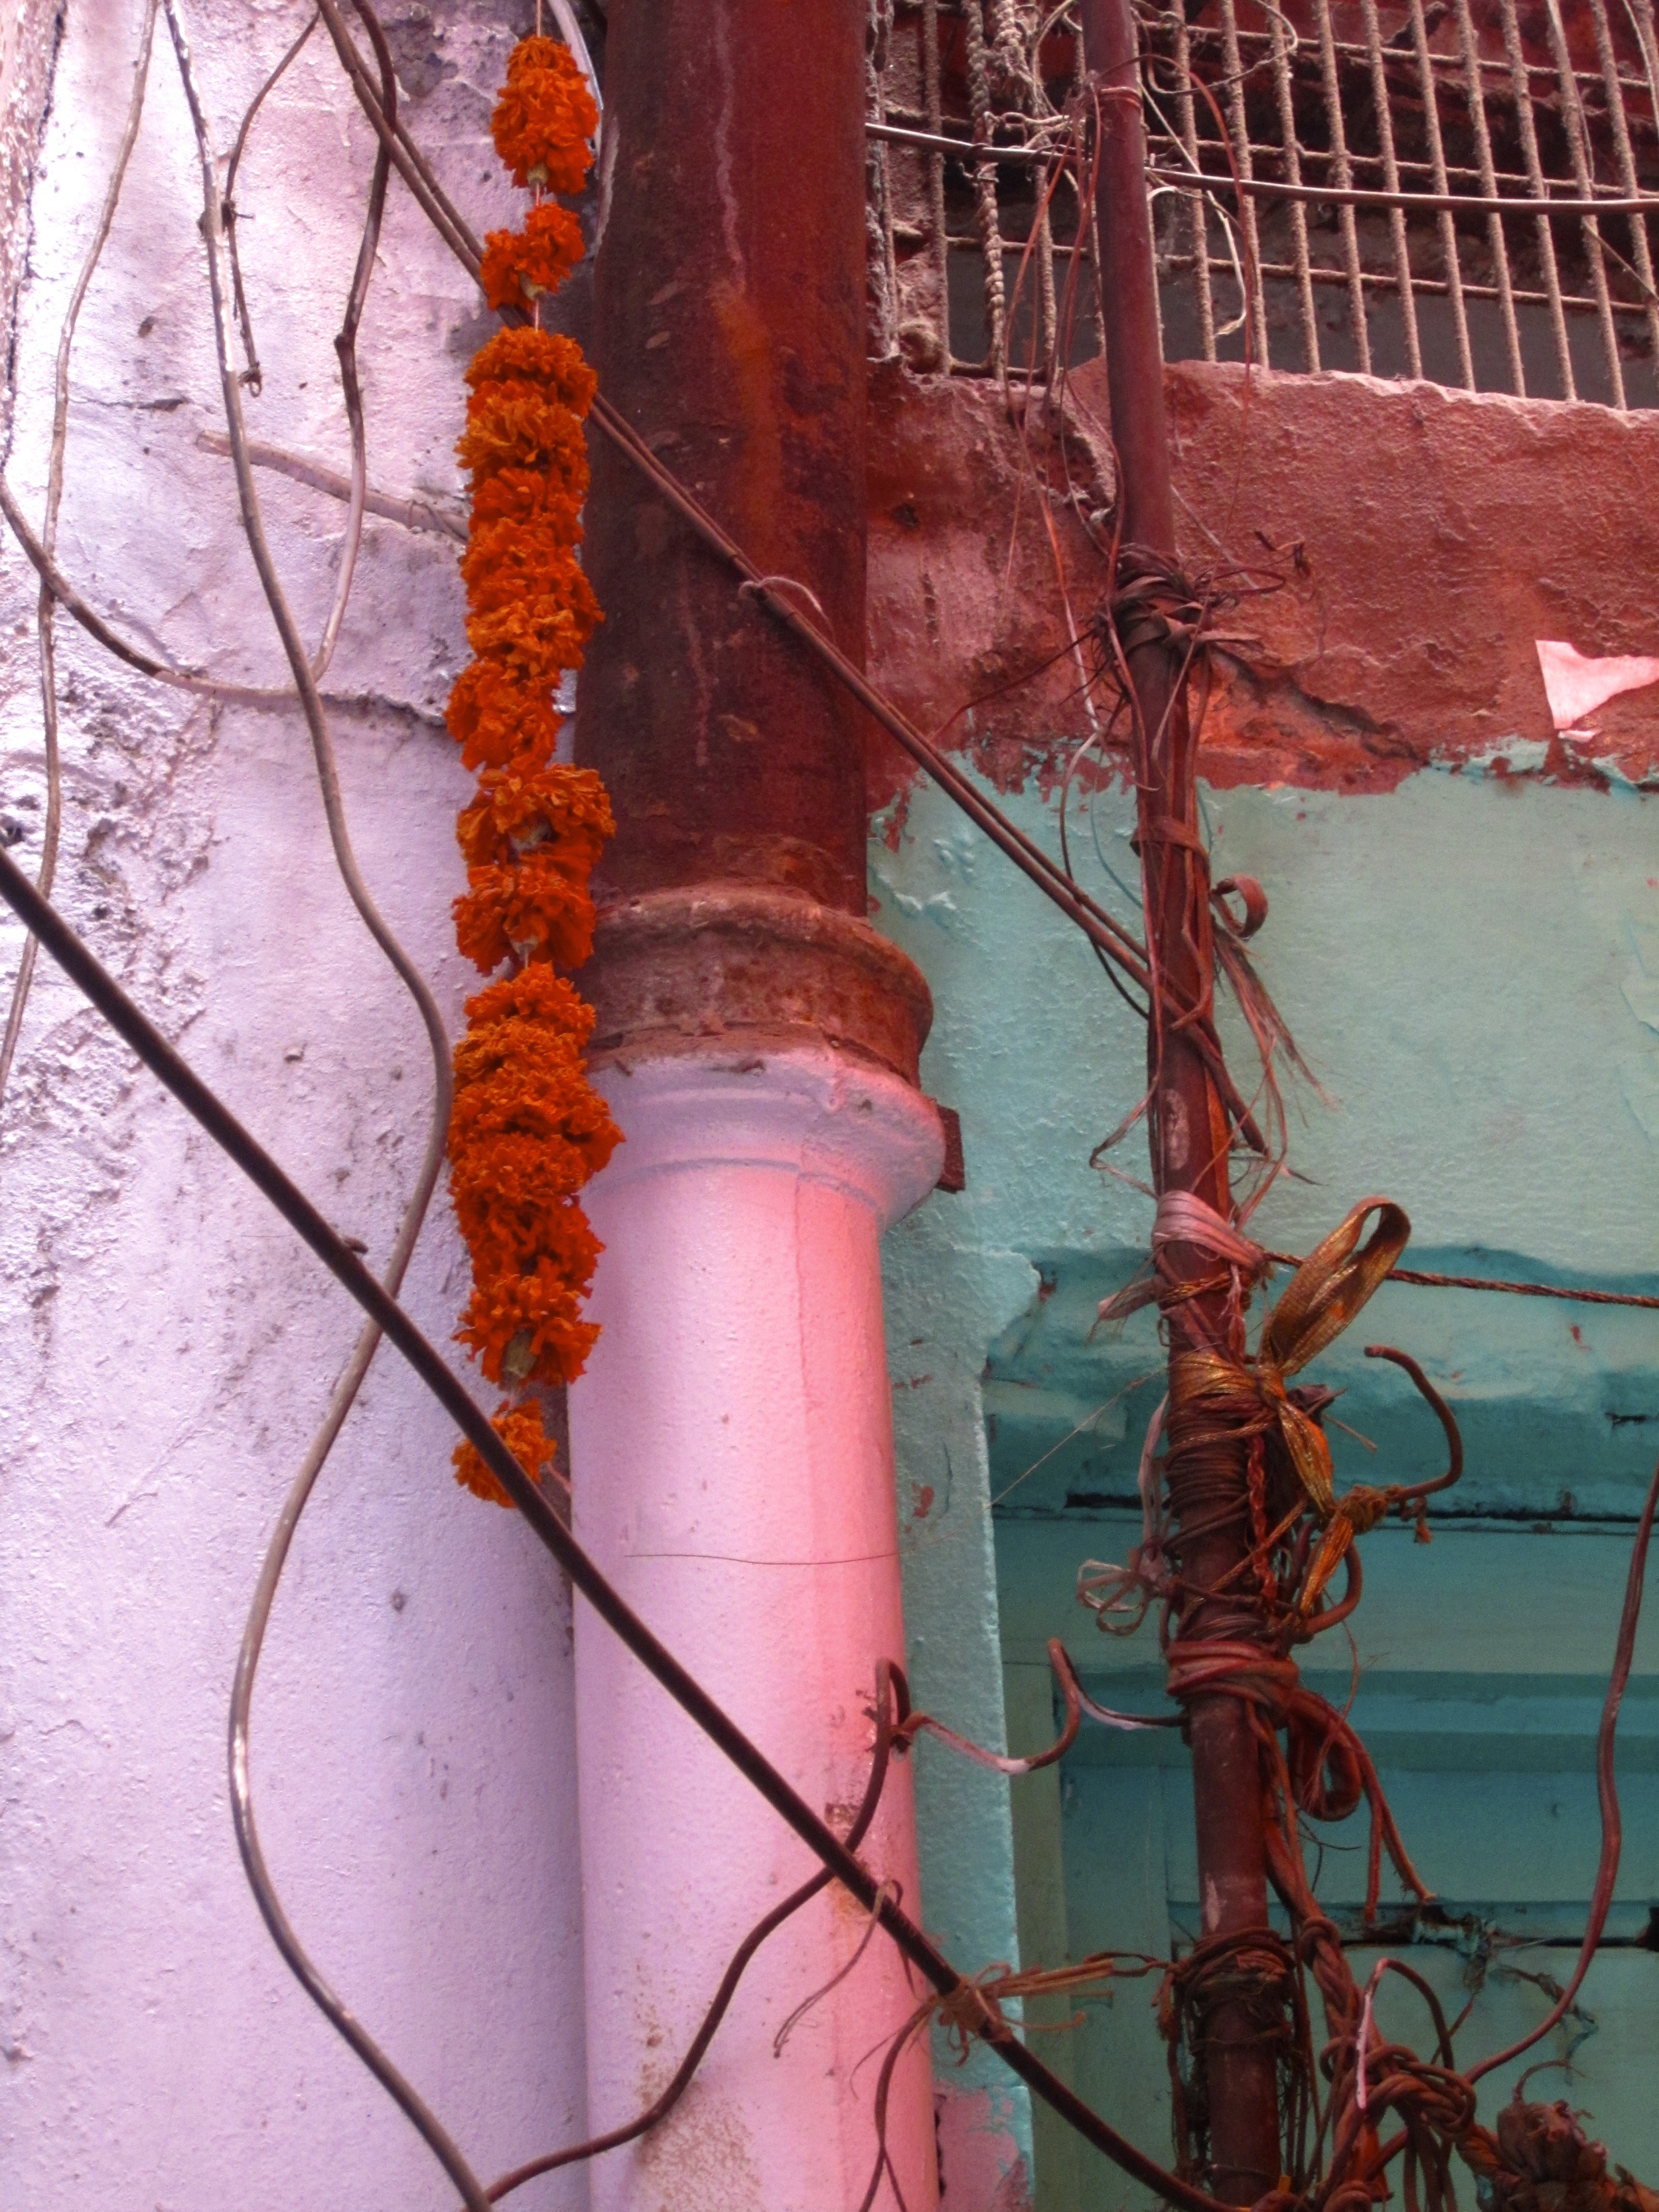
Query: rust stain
point(748, 358)
point(702, 2158)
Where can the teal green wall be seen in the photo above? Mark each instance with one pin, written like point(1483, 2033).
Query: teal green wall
point(1472, 966)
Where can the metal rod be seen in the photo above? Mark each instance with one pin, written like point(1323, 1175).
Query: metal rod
point(209, 1111)
point(1431, 288)
point(1189, 1127)
point(1348, 230)
point(1187, 113)
point(1543, 208)
point(1256, 306)
point(1402, 259)
point(1572, 115)
point(985, 190)
point(1522, 95)
point(1457, 174)
point(1291, 155)
point(1447, 229)
point(1500, 256)
point(1360, 55)
point(1641, 255)
point(939, 244)
point(1541, 203)
point(968, 149)
point(1097, 925)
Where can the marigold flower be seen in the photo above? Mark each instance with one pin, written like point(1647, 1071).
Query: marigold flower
point(496, 714)
point(522, 1075)
point(508, 1104)
point(534, 1320)
point(521, 265)
point(521, 806)
point(540, 635)
point(525, 1079)
point(528, 1128)
point(520, 354)
point(510, 562)
point(544, 116)
point(517, 426)
point(538, 910)
point(519, 1428)
point(525, 496)
point(515, 1248)
point(511, 1177)
point(538, 996)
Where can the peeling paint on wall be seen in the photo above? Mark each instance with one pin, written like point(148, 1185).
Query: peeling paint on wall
point(1422, 540)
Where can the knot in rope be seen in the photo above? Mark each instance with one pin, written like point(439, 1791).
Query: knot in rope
point(1155, 603)
point(1234, 1668)
point(1254, 1966)
point(1539, 2160)
point(1251, 1975)
point(971, 2010)
point(1364, 1508)
point(1218, 1399)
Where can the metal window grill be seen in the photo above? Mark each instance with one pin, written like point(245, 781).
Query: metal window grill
point(1349, 103)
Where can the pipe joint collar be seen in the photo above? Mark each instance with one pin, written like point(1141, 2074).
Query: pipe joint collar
point(747, 966)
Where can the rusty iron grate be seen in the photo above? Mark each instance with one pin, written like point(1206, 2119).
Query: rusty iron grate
point(1350, 103)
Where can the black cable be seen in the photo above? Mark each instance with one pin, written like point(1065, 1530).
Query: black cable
point(84, 970)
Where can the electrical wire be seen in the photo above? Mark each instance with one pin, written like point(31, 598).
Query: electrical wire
point(384, 1308)
point(890, 1694)
point(1102, 928)
point(210, 1112)
point(103, 633)
point(385, 1316)
point(254, 375)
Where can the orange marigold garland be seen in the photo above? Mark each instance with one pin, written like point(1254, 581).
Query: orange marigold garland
point(528, 1129)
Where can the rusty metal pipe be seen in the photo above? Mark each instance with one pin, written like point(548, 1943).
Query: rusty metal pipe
point(729, 332)
point(1188, 1126)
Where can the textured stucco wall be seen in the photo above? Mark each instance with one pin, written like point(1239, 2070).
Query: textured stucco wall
point(1469, 960)
point(165, 1347)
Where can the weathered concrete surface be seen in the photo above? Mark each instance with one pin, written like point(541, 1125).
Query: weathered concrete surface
point(165, 1346)
point(29, 32)
point(1507, 1097)
point(1424, 539)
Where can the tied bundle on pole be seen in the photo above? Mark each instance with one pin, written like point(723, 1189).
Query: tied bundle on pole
point(1244, 1529)
point(1243, 1554)
point(1190, 1127)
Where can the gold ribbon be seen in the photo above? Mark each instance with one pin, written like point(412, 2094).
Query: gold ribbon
point(1326, 1293)
point(1213, 1398)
